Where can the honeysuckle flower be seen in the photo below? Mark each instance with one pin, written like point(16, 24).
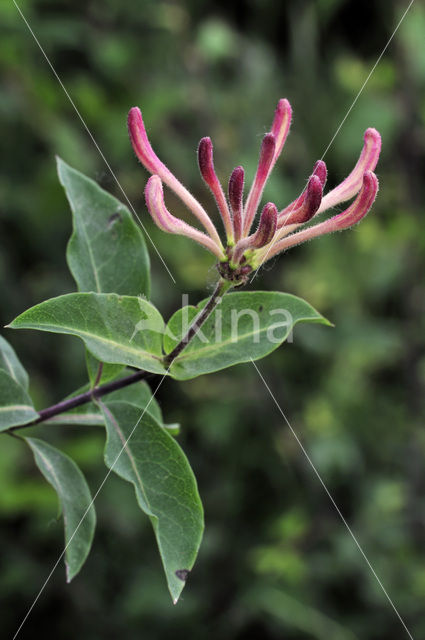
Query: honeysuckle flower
point(276, 231)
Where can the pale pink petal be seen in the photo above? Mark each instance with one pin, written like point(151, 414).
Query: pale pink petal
point(153, 164)
point(351, 185)
point(167, 222)
point(206, 167)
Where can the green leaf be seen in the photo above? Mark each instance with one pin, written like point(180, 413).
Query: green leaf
point(10, 363)
point(247, 325)
point(16, 407)
point(107, 252)
point(165, 486)
point(109, 371)
point(116, 329)
point(75, 499)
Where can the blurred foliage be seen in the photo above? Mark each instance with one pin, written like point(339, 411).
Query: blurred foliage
point(276, 560)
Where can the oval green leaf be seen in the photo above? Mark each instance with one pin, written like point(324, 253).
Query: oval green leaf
point(143, 453)
point(16, 407)
point(75, 500)
point(107, 251)
point(10, 363)
point(116, 329)
point(246, 326)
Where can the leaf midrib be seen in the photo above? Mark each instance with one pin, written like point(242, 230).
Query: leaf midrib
point(20, 407)
point(95, 336)
point(220, 345)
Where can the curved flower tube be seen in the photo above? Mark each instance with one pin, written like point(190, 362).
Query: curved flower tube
point(351, 216)
point(145, 153)
point(170, 224)
point(276, 231)
point(320, 170)
point(206, 167)
point(267, 154)
point(367, 162)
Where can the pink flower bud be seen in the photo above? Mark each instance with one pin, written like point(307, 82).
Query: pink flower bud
point(266, 227)
point(267, 152)
point(281, 124)
point(167, 222)
point(206, 167)
point(351, 216)
point(308, 208)
point(367, 162)
point(143, 150)
point(236, 185)
point(321, 172)
point(264, 234)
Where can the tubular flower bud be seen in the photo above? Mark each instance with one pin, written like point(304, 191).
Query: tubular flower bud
point(236, 185)
point(276, 232)
point(351, 216)
point(351, 185)
point(308, 208)
point(267, 152)
point(280, 126)
point(143, 150)
point(264, 234)
point(321, 172)
point(167, 222)
point(206, 167)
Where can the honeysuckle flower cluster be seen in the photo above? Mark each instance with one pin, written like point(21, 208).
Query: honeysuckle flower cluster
point(277, 230)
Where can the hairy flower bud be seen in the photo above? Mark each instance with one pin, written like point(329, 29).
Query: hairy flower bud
point(146, 155)
point(351, 185)
point(351, 216)
point(167, 222)
point(206, 167)
point(308, 208)
point(236, 185)
point(264, 234)
point(267, 152)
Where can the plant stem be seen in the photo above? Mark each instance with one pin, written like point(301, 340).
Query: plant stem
point(98, 391)
point(221, 288)
point(83, 398)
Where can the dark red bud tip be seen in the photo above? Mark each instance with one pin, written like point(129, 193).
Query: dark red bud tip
point(314, 195)
point(236, 184)
point(320, 171)
point(205, 160)
point(312, 199)
point(267, 146)
point(267, 226)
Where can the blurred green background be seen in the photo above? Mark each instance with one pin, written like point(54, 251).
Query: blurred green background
point(276, 561)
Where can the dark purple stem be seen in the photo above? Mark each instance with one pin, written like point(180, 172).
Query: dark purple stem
point(83, 398)
point(221, 288)
point(104, 389)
